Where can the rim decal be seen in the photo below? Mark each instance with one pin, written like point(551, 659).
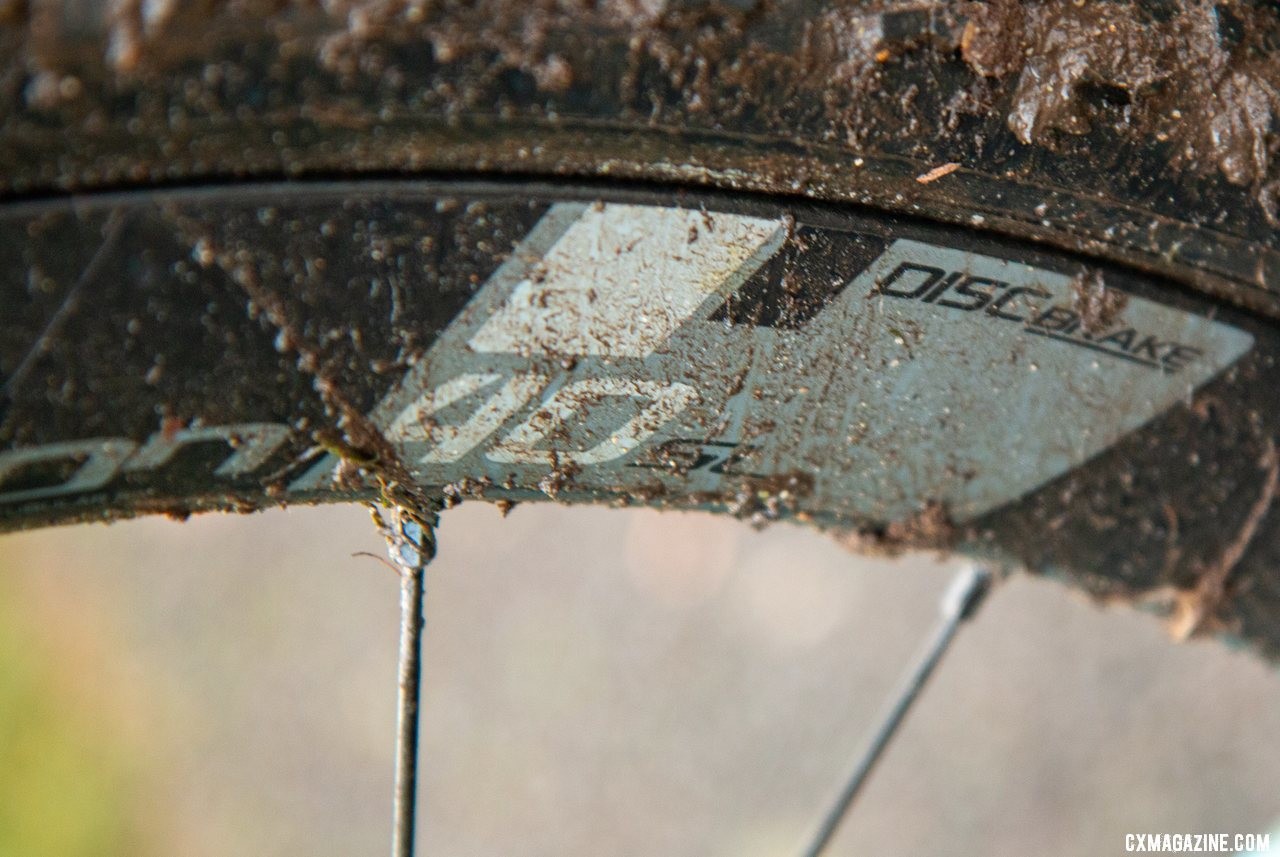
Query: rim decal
point(618, 340)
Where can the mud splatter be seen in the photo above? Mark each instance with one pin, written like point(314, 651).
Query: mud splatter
point(361, 446)
point(1199, 79)
point(1197, 610)
point(1097, 305)
point(930, 527)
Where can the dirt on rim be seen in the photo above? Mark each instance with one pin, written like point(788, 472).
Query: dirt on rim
point(1196, 79)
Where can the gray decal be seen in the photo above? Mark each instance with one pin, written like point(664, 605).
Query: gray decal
point(597, 351)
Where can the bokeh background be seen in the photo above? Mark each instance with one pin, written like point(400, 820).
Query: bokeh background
point(597, 682)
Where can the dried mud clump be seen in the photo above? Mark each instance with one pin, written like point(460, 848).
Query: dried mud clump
point(992, 41)
point(759, 500)
point(1123, 128)
point(1200, 78)
point(1097, 305)
point(931, 526)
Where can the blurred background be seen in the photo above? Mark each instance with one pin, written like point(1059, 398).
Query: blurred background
point(597, 682)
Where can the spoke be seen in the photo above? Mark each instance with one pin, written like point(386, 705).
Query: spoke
point(411, 544)
point(959, 602)
point(70, 303)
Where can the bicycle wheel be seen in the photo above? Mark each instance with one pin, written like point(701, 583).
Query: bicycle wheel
point(991, 279)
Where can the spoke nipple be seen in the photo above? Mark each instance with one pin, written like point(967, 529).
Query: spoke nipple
point(965, 593)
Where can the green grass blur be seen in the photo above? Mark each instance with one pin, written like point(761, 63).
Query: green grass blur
point(65, 790)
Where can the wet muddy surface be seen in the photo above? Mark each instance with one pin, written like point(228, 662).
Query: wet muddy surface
point(315, 307)
point(1142, 132)
point(1138, 133)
